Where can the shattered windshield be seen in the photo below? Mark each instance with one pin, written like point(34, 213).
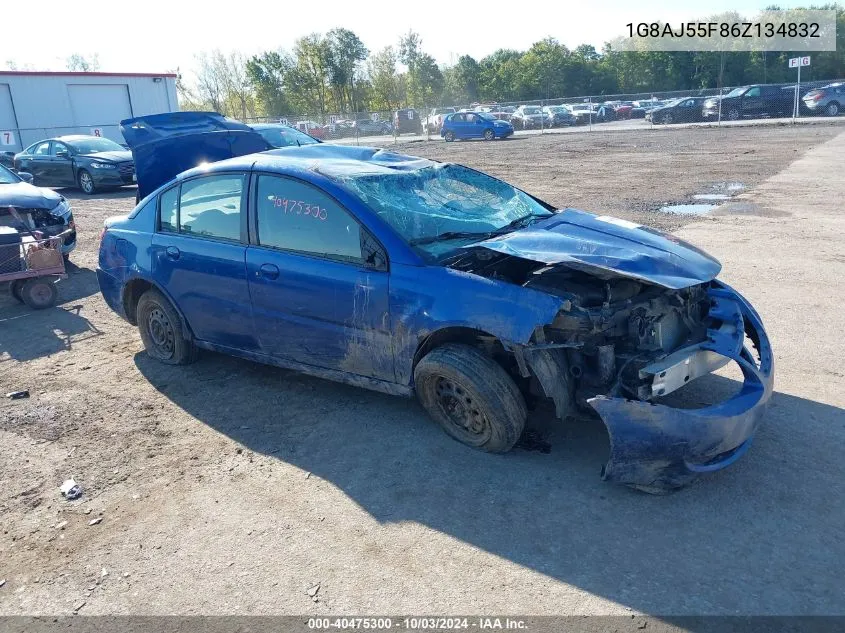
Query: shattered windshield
point(442, 207)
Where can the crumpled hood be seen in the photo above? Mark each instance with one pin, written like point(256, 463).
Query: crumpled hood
point(111, 157)
point(26, 196)
point(165, 145)
point(602, 244)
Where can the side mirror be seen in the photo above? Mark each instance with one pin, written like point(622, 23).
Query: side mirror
point(25, 176)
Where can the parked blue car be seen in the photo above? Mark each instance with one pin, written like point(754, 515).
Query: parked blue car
point(409, 276)
point(466, 125)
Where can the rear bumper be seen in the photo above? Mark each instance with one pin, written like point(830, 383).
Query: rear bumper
point(656, 447)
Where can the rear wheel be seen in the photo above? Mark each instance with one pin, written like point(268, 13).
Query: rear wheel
point(39, 293)
point(489, 135)
point(161, 330)
point(15, 289)
point(832, 109)
point(471, 397)
point(449, 136)
point(86, 182)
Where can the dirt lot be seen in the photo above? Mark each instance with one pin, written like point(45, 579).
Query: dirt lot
point(229, 487)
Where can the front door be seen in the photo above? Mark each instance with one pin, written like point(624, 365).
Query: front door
point(318, 281)
point(61, 165)
point(198, 257)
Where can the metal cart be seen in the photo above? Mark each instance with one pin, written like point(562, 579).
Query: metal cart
point(32, 263)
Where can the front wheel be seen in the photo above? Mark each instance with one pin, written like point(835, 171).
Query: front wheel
point(39, 293)
point(489, 135)
point(86, 182)
point(733, 114)
point(449, 136)
point(471, 397)
point(667, 119)
point(161, 330)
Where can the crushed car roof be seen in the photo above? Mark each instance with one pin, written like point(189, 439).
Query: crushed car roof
point(333, 161)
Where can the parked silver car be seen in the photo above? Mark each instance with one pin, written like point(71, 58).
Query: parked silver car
point(829, 99)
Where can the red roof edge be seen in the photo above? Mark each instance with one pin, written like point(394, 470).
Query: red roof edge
point(68, 73)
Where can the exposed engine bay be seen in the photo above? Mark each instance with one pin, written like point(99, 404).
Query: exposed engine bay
point(609, 328)
point(44, 221)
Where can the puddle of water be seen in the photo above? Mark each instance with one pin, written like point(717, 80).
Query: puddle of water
point(711, 196)
point(687, 209)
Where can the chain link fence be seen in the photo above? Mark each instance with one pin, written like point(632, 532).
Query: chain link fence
point(549, 115)
point(536, 116)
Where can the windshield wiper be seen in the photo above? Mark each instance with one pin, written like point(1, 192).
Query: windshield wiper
point(455, 235)
point(449, 235)
point(519, 223)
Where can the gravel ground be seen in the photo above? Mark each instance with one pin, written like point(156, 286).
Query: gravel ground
point(229, 487)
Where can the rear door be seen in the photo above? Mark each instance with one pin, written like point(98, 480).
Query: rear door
point(198, 257)
point(458, 124)
point(39, 163)
point(316, 298)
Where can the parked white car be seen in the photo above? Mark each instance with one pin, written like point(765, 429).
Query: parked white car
point(434, 121)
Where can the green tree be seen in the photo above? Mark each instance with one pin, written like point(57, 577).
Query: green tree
point(386, 85)
point(346, 52)
point(267, 74)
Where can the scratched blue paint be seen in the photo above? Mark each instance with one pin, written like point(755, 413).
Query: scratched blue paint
point(364, 324)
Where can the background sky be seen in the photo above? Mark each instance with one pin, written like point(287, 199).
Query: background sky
point(158, 36)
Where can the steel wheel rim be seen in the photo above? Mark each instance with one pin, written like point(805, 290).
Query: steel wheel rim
point(161, 333)
point(40, 294)
point(86, 182)
point(463, 413)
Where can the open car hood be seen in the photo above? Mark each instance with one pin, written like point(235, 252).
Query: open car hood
point(608, 246)
point(165, 145)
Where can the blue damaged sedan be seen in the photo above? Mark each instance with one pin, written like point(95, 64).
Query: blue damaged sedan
point(414, 277)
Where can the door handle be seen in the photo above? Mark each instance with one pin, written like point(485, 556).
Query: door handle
point(172, 252)
point(269, 271)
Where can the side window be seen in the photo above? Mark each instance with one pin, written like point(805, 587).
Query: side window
point(754, 92)
point(42, 149)
point(211, 206)
point(294, 216)
point(57, 148)
point(169, 210)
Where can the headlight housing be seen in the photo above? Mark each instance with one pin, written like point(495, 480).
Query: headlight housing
point(97, 165)
point(62, 208)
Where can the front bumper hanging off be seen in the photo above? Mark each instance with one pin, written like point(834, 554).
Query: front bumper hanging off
point(656, 447)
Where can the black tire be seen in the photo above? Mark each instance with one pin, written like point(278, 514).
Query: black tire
point(85, 182)
point(832, 109)
point(161, 330)
point(667, 119)
point(471, 397)
point(733, 114)
point(15, 289)
point(449, 136)
point(39, 293)
point(489, 135)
